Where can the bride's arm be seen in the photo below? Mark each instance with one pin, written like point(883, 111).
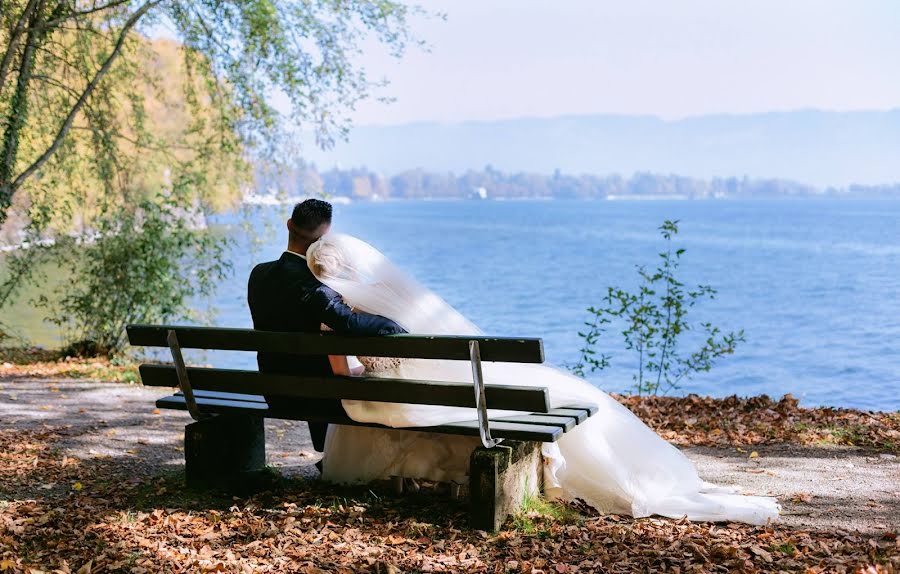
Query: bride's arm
point(341, 366)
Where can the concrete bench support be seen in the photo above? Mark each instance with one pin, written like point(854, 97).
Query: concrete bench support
point(500, 479)
point(225, 452)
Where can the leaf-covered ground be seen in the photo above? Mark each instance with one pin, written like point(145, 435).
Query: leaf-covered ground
point(706, 421)
point(103, 515)
point(35, 362)
point(71, 502)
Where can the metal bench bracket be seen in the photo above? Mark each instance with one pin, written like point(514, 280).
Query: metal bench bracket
point(484, 429)
point(183, 383)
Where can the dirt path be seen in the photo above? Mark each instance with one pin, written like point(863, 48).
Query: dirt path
point(821, 488)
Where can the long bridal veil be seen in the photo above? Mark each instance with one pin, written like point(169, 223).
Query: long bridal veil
point(612, 461)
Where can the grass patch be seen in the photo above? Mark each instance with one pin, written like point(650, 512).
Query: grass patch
point(788, 549)
point(538, 513)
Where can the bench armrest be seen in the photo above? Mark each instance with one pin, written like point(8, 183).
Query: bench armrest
point(484, 428)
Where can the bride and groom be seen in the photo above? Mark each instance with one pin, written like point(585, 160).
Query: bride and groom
point(612, 461)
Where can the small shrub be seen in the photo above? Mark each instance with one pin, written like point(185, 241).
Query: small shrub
point(144, 265)
point(653, 321)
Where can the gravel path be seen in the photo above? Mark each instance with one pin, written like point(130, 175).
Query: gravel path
point(820, 488)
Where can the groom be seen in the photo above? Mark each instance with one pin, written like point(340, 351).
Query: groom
point(284, 295)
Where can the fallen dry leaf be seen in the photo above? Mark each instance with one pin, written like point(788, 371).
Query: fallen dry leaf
point(128, 520)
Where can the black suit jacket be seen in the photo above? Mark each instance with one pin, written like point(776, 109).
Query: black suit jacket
point(284, 295)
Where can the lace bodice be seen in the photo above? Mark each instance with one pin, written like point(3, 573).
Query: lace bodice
point(374, 364)
point(379, 364)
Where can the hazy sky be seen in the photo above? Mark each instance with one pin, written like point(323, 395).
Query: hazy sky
point(495, 59)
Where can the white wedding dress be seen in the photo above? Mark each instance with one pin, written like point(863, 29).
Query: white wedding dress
point(612, 461)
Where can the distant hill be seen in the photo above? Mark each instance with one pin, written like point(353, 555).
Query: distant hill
point(813, 147)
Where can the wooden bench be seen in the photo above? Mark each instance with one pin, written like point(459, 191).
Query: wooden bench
point(226, 442)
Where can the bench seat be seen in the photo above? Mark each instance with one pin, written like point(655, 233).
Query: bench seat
point(540, 427)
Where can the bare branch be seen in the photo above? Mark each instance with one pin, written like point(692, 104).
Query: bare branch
point(165, 150)
point(56, 84)
point(79, 13)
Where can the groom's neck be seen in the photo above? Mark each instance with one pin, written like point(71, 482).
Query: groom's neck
point(298, 247)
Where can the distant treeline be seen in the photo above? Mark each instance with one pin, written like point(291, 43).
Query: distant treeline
point(360, 183)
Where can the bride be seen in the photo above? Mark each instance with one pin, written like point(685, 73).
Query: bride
point(612, 461)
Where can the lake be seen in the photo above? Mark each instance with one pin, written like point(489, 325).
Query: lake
point(815, 284)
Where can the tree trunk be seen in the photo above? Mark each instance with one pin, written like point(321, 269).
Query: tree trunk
point(18, 113)
point(13, 43)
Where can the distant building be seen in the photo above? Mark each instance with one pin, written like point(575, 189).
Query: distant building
point(478, 193)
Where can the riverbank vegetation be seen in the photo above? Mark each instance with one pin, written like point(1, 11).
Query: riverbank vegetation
point(118, 117)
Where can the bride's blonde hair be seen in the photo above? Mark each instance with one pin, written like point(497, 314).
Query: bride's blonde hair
point(326, 259)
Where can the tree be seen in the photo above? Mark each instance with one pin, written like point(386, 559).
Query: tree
point(362, 187)
point(97, 119)
point(58, 55)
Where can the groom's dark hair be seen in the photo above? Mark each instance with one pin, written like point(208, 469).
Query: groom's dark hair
point(311, 213)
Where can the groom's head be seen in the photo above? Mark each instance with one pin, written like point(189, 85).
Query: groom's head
point(309, 221)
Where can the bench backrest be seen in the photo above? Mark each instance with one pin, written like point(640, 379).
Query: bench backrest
point(503, 349)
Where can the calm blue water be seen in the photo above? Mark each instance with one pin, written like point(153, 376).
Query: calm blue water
point(815, 284)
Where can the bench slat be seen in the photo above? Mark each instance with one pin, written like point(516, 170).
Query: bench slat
point(499, 428)
point(589, 408)
point(229, 396)
point(217, 406)
point(563, 422)
point(580, 413)
point(507, 349)
point(503, 397)
point(565, 418)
